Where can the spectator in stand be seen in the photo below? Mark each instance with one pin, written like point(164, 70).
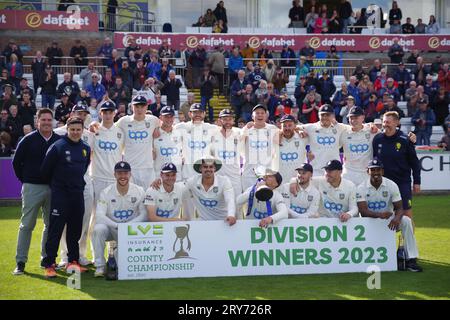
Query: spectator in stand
point(421, 27)
point(361, 21)
point(359, 73)
point(326, 87)
point(402, 76)
point(433, 26)
point(127, 75)
point(381, 80)
point(94, 110)
point(132, 60)
point(237, 90)
point(249, 69)
point(339, 100)
point(172, 89)
point(140, 75)
point(96, 90)
point(23, 87)
point(119, 92)
point(445, 141)
point(287, 57)
point(375, 72)
point(247, 102)
point(444, 77)
point(345, 12)
point(105, 51)
point(302, 70)
point(79, 54)
point(17, 120)
point(420, 71)
point(247, 53)
point(296, 15)
point(54, 54)
point(264, 54)
point(221, 13)
point(408, 27)
point(207, 84)
point(12, 48)
point(391, 89)
point(121, 111)
point(412, 59)
point(8, 98)
point(280, 79)
point(436, 66)
point(349, 104)
point(38, 69)
point(6, 125)
point(5, 144)
point(272, 100)
point(396, 52)
point(166, 67)
point(64, 4)
point(5, 79)
point(63, 110)
point(395, 13)
point(370, 110)
point(108, 80)
point(219, 27)
point(69, 87)
point(309, 53)
point(197, 60)
point(15, 70)
point(209, 18)
point(353, 89)
point(335, 23)
point(115, 64)
point(200, 22)
point(83, 96)
point(423, 120)
point(286, 102)
point(154, 67)
point(216, 61)
point(86, 74)
point(164, 51)
point(256, 76)
point(310, 20)
point(184, 109)
point(440, 107)
point(322, 22)
point(132, 46)
point(365, 89)
point(391, 106)
point(27, 110)
point(261, 93)
point(411, 97)
point(395, 27)
point(48, 90)
point(235, 63)
point(269, 70)
point(310, 109)
point(332, 57)
point(430, 87)
point(311, 80)
point(156, 107)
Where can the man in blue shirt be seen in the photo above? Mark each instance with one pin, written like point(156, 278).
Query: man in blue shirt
point(27, 161)
point(393, 148)
point(64, 165)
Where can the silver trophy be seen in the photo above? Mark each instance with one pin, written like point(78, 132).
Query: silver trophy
point(263, 192)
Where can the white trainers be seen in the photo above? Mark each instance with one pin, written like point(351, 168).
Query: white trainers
point(61, 265)
point(99, 272)
point(85, 262)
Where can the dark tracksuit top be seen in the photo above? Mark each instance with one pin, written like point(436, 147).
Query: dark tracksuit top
point(399, 158)
point(65, 164)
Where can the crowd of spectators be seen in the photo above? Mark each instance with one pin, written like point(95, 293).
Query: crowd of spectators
point(215, 19)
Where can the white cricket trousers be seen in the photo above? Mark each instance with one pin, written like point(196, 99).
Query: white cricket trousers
point(406, 227)
point(100, 235)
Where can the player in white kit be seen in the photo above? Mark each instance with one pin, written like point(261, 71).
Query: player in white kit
point(121, 202)
point(379, 198)
point(305, 203)
point(227, 146)
point(164, 204)
point(167, 147)
point(212, 194)
point(139, 130)
point(261, 146)
point(81, 111)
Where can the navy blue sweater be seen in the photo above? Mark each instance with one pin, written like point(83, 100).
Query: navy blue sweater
point(65, 164)
point(398, 156)
point(29, 156)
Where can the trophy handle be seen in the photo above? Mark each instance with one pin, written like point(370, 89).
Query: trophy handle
point(187, 236)
point(174, 229)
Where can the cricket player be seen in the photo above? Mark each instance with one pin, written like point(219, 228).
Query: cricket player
point(261, 146)
point(227, 147)
point(120, 202)
point(213, 194)
point(167, 147)
point(81, 111)
point(305, 203)
point(139, 130)
point(164, 203)
point(292, 148)
point(270, 211)
point(379, 198)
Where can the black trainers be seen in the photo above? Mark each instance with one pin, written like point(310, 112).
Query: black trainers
point(411, 265)
point(20, 269)
point(42, 264)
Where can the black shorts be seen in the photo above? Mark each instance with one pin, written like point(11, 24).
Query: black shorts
point(406, 193)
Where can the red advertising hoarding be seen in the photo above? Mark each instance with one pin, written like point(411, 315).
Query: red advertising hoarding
point(48, 20)
point(343, 42)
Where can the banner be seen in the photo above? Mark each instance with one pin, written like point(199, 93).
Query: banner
point(435, 170)
point(213, 248)
point(48, 20)
point(343, 42)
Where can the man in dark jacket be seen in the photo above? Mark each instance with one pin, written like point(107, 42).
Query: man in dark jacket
point(207, 83)
point(68, 87)
point(48, 88)
point(326, 87)
point(79, 54)
point(221, 13)
point(396, 52)
point(38, 69)
point(53, 53)
point(345, 12)
point(172, 90)
point(297, 15)
point(30, 153)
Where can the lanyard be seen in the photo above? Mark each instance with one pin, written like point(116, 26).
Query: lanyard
point(250, 201)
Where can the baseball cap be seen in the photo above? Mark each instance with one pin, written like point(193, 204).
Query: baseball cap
point(196, 107)
point(139, 100)
point(422, 100)
point(401, 64)
point(122, 166)
point(333, 165)
point(377, 121)
point(351, 97)
point(168, 167)
point(305, 167)
point(287, 117)
point(355, 111)
point(374, 163)
point(326, 108)
point(166, 111)
point(259, 106)
point(311, 88)
point(108, 105)
point(226, 113)
point(325, 71)
point(80, 106)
